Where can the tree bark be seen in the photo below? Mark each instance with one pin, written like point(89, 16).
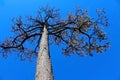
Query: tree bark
point(44, 67)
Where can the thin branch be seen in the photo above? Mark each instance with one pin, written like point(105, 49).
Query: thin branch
point(23, 41)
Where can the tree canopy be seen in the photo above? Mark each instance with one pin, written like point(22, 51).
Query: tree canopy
point(80, 33)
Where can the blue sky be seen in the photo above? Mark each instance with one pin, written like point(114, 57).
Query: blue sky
point(104, 66)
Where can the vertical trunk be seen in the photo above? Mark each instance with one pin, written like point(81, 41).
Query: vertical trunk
point(44, 69)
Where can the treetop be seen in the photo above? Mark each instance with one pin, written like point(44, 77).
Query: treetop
point(80, 33)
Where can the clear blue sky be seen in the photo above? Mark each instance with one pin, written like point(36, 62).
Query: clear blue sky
point(104, 66)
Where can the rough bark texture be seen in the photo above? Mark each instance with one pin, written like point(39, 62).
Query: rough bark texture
point(44, 68)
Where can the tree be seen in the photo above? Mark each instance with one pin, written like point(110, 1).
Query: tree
point(81, 35)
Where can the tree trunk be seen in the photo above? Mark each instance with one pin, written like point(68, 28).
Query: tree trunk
point(44, 67)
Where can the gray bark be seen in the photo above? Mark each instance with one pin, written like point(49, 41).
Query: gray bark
point(44, 68)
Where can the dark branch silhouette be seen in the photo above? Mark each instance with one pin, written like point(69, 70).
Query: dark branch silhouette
point(81, 34)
